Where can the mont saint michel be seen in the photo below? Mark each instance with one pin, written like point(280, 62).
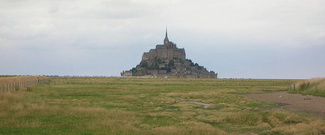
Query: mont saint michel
point(168, 61)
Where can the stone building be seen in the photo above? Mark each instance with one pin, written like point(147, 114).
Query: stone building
point(168, 61)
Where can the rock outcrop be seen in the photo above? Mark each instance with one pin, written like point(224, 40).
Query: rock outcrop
point(168, 61)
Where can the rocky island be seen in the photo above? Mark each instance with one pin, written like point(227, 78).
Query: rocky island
point(168, 61)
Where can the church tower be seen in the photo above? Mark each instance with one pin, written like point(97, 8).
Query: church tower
point(166, 40)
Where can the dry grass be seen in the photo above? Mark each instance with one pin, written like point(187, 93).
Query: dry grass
point(18, 114)
point(186, 128)
point(311, 83)
point(316, 127)
point(150, 106)
point(19, 82)
point(314, 86)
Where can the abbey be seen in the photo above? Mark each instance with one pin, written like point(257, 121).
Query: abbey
point(168, 61)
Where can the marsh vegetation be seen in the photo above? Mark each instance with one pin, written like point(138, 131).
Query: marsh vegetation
point(151, 106)
point(315, 86)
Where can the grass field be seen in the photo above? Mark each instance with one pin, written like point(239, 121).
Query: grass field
point(315, 86)
point(151, 106)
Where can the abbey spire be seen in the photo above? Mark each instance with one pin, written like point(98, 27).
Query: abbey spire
point(166, 40)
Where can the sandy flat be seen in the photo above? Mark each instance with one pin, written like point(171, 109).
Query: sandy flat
point(298, 102)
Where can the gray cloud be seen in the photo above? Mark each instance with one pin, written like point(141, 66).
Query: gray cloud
point(254, 38)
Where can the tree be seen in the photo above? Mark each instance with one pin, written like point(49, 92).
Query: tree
point(171, 63)
point(169, 69)
point(144, 64)
point(157, 60)
point(154, 66)
point(134, 70)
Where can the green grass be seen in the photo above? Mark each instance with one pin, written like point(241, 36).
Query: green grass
point(150, 106)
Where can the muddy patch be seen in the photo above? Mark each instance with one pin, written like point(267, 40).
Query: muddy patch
point(297, 102)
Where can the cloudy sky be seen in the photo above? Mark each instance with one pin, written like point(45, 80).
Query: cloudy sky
point(236, 38)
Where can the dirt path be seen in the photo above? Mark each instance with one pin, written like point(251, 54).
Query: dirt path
point(312, 104)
